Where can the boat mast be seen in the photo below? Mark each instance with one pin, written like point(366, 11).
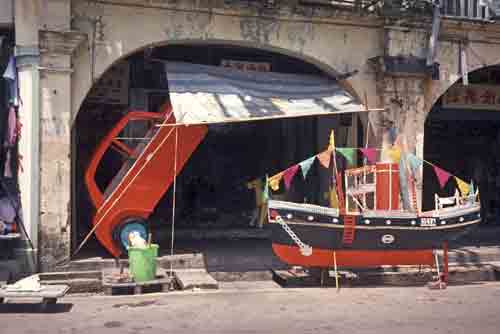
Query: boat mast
point(337, 180)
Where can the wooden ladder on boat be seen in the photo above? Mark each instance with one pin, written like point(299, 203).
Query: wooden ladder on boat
point(349, 230)
point(413, 191)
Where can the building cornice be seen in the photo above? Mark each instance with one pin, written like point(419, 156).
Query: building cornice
point(60, 42)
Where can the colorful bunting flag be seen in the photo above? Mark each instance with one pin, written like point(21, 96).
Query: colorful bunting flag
point(334, 201)
point(274, 181)
point(370, 154)
point(442, 175)
point(347, 153)
point(324, 158)
point(463, 186)
point(394, 154)
point(288, 175)
point(414, 162)
point(305, 166)
point(332, 141)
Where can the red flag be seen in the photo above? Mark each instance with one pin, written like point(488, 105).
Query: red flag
point(370, 154)
point(289, 174)
point(442, 175)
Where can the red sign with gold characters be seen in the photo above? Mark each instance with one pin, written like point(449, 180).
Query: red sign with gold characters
point(484, 97)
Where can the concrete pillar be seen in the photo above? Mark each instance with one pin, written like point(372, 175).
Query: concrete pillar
point(57, 42)
point(55, 140)
point(45, 88)
point(402, 76)
point(27, 58)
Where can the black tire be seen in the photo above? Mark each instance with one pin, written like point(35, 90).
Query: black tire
point(125, 225)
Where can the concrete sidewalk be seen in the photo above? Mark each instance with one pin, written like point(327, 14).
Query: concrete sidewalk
point(473, 258)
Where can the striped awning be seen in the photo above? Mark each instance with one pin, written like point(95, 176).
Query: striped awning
point(212, 94)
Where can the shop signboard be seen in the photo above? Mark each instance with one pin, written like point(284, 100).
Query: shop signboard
point(480, 97)
point(246, 65)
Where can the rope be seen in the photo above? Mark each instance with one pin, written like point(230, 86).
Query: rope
point(173, 199)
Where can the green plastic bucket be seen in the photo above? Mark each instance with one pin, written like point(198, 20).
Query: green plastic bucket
point(142, 262)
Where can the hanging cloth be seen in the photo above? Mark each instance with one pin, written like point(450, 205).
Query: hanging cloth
point(10, 75)
point(10, 141)
point(403, 183)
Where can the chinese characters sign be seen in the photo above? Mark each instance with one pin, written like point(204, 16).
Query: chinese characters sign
point(484, 97)
point(246, 65)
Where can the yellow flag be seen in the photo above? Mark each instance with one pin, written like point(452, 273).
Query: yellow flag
point(394, 154)
point(334, 201)
point(463, 186)
point(332, 141)
point(274, 181)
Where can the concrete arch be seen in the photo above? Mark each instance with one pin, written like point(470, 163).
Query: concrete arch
point(480, 55)
point(299, 39)
point(307, 59)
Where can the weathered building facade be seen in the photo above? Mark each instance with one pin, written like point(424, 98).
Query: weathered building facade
point(387, 58)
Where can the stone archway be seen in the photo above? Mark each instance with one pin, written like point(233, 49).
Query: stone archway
point(461, 135)
point(79, 160)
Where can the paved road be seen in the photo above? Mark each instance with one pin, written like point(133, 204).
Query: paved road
point(262, 308)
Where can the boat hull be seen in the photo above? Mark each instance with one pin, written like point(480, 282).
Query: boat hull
point(352, 258)
point(374, 239)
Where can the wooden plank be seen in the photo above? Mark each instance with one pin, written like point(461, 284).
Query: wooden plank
point(264, 118)
point(48, 291)
point(10, 236)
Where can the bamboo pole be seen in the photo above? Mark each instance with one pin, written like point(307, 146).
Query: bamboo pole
point(336, 272)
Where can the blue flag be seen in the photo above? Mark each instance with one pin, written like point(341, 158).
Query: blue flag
point(305, 166)
point(414, 162)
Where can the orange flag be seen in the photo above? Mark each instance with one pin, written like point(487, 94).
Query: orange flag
point(274, 181)
point(324, 158)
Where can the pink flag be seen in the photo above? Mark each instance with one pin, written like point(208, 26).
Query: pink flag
point(442, 175)
point(324, 158)
point(370, 154)
point(289, 174)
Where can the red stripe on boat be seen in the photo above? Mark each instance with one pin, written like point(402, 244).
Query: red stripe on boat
point(353, 258)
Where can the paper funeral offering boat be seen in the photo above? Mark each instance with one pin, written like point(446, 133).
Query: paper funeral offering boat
point(374, 219)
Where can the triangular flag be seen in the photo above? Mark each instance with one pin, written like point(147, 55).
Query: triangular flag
point(334, 201)
point(414, 162)
point(332, 141)
point(370, 154)
point(347, 153)
point(463, 186)
point(288, 175)
point(265, 193)
point(274, 181)
point(394, 154)
point(324, 158)
point(442, 176)
point(305, 166)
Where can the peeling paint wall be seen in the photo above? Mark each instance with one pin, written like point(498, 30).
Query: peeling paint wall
point(329, 44)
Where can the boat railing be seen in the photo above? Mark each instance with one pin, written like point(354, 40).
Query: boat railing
point(455, 201)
